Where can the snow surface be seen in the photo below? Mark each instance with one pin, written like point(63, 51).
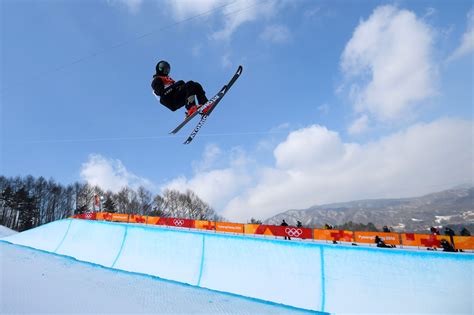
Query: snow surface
point(320, 277)
point(4, 231)
point(36, 282)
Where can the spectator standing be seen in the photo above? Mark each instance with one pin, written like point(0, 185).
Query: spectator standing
point(450, 233)
point(283, 223)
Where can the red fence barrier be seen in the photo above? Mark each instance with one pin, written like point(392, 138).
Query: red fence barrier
point(284, 231)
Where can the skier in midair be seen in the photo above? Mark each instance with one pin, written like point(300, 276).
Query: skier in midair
point(176, 94)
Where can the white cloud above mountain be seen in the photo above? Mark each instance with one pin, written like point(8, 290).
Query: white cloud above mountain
point(313, 165)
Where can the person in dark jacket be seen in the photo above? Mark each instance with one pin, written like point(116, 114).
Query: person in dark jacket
point(386, 229)
point(298, 224)
point(447, 246)
point(283, 223)
point(176, 94)
point(450, 233)
point(381, 243)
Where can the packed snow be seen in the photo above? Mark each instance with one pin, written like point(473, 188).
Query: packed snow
point(332, 278)
point(35, 282)
point(4, 231)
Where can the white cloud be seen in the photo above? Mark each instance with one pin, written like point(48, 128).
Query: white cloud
point(388, 63)
point(467, 42)
point(133, 6)
point(314, 166)
point(232, 14)
point(213, 184)
point(183, 9)
point(211, 155)
point(110, 174)
point(243, 12)
point(359, 125)
point(229, 14)
point(276, 34)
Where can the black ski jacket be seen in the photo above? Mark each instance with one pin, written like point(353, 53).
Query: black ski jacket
point(167, 89)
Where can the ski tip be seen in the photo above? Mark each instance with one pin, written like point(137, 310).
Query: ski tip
point(239, 69)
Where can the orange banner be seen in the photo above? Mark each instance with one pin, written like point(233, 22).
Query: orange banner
point(369, 237)
point(137, 219)
point(204, 225)
point(464, 242)
point(120, 217)
point(333, 235)
point(104, 216)
point(153, 220)
point(229, 227)
point(250, 228)
point(423, 240)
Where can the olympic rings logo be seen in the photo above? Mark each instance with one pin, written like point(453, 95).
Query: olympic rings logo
point(88, 216)
point(178, 222)
point(293, 232)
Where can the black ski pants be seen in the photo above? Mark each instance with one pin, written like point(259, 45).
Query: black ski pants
point(179, 97)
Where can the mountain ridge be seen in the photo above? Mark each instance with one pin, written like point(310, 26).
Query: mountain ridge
point(448, 207)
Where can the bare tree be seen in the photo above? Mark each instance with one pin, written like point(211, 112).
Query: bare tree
point(145, 200)
point(28, 202)
point(158, 207)
point(124, 200)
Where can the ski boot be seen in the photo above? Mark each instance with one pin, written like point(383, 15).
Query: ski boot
point(191, 110)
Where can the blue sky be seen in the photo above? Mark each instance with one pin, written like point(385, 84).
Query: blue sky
point(339, 100)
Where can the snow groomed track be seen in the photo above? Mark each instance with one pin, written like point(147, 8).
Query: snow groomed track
point(305, 275)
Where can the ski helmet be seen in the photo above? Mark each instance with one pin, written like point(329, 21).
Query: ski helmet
point(163, 68)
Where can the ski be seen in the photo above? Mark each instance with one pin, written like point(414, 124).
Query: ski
point(205, 111)
point(186, 120)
